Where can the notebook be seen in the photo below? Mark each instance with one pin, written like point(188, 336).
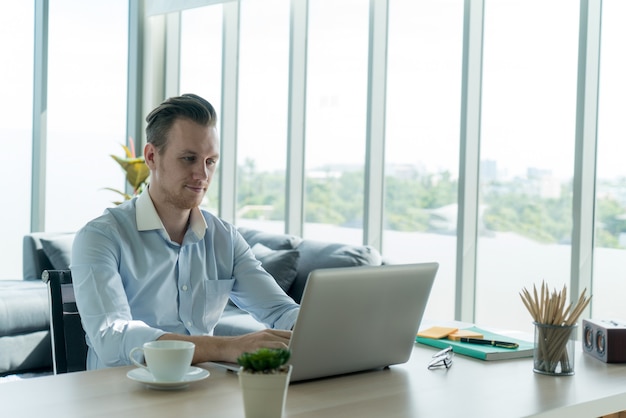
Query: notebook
point(483, 352)
point(355, 319)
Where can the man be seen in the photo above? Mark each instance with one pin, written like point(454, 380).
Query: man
point(159, 267)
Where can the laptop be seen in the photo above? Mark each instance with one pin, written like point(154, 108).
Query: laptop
point(355, 319)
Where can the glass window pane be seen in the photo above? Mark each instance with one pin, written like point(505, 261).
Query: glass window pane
point(336, 120)
point(16, 114)
point(262, 114)
point(86, 109)
point(201, 67)
point(527, 154)
point(422, 139)
point(609, 285)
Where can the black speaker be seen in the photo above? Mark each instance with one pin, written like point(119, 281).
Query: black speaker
point(605, 340)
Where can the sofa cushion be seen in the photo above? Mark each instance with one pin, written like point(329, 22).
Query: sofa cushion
point(24, 326)
point(23, 307)
point(35, 259)
point(281, 264)
point(25, 352)
point(269, 239)
point(318, 255)
point(59, 250)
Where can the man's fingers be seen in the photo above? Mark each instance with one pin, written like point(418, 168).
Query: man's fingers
point(268, 338)
point(275, 334)
point(272, 338)
point(280, 332)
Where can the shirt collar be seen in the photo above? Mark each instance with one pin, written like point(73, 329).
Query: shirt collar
point(148, 219)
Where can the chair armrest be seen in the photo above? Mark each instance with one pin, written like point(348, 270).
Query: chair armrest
point(64, 276)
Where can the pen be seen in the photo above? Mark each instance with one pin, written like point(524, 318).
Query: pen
point(501, 344)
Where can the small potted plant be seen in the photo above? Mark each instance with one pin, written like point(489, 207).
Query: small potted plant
point(264, 380)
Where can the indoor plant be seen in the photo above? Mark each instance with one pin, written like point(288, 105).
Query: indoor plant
point(136, 170)
point(264, 380)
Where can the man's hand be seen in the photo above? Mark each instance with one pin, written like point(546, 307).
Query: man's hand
point(247, 343)
point(211, 348)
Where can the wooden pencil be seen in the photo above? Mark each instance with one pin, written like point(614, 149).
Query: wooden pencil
point(554, 322)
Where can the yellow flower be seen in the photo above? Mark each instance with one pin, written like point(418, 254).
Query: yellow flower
point(137, 172)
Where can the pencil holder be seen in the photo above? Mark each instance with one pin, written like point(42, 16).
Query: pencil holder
point(554, 349)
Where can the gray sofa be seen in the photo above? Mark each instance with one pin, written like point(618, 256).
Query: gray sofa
point(24, 324)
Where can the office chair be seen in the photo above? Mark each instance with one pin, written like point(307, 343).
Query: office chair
point(69, 349)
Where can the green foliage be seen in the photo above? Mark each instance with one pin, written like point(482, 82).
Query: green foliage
point(258, 190)
point(610, 212)
point(409, 199)
point(264, 360)
point(413, 203)
point(543, 221)
point(324, 204)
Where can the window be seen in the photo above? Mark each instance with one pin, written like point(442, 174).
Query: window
point(262, 114)
point(336, 120)
point(527, 154)
point(609, 285)
point(422, 139)
point(88, 43)
point(16, 115)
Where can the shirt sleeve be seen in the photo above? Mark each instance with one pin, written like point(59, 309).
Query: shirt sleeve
point(256, 291)
point(102, 301)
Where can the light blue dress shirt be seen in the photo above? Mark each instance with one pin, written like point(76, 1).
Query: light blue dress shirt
point(133, 284)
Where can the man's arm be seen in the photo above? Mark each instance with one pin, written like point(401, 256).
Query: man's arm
point(213, 348)
point(103, 303)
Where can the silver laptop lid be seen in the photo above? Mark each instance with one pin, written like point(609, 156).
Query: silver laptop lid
point(359, 318)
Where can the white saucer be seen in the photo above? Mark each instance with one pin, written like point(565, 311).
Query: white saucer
point(144, 376)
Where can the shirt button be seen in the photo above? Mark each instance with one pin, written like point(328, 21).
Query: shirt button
point(185, 288)
point(188, 323)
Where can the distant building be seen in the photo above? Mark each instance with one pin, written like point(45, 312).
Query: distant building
point(543, 183)
point(488, 170)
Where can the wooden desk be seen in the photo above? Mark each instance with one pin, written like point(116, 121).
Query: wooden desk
point(470, 388)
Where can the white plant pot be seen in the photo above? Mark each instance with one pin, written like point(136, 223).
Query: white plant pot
point(264, 395)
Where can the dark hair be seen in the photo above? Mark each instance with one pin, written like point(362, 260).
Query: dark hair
point(189, 106)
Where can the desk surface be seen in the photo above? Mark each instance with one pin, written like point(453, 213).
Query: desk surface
point(469, 388)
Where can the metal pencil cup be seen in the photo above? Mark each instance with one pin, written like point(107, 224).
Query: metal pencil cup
point(554, 349)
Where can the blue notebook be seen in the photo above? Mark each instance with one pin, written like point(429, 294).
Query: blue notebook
point(483, 352)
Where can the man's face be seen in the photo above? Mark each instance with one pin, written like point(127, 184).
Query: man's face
point(181, 175)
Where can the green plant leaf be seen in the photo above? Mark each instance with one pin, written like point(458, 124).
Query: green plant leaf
point(264, 360)
point(136, 169)
point(125, 195)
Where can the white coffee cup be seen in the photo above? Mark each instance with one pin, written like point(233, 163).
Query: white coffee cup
point(166, 360)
